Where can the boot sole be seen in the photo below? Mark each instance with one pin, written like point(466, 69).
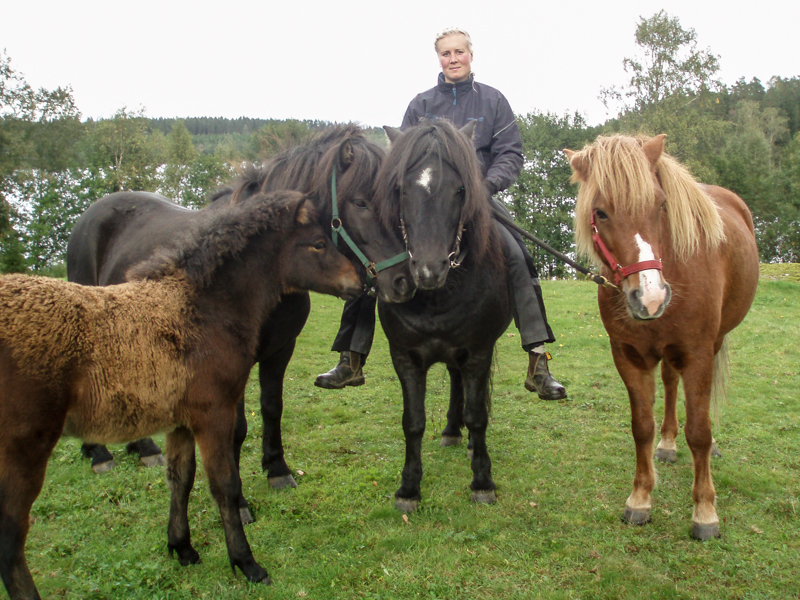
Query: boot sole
point(355, 382)
point(532, 388)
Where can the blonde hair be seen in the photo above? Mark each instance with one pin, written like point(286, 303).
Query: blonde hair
point(450, 31)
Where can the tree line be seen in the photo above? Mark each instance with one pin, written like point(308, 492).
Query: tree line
point(744, 136)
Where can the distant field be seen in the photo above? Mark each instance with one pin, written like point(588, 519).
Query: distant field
point(563, 471)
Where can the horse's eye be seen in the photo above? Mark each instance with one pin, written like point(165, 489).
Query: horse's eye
point(600, 214)
point(360, 204)
point(320, 245)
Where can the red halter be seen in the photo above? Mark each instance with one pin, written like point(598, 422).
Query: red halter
point(619, 271)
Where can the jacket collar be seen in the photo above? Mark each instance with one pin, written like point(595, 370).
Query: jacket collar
point(460, 88)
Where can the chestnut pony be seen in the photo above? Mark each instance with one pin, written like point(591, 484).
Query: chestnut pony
point(684, 259)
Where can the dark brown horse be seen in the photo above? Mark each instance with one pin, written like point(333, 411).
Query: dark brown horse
point(170, 351)
point(684, 259)
point(125, 228)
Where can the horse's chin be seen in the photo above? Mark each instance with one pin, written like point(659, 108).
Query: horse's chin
point(395, 297)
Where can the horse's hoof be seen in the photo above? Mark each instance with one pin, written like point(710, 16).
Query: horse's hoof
point(104, 467)
point(664, 455)
point(636, 516)
point(186, 554)
point(715, 451)
point(246, 516)
point(705, 532)
point(450, 440)
point(156, 460)
point(285, 481)
point(405, 505)
point(484, 496)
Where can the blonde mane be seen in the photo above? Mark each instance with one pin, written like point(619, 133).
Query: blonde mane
point(617, 169)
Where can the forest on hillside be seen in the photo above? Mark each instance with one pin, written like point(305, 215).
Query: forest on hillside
point(743, 136)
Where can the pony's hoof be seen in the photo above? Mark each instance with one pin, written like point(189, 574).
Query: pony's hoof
point(104, 467)
point(636, 516)
point(156, 460)
point(484, 496)
point(246, 516)
point(715, 451)
point(405, 506)
point(450, 440)
point(186, 554)
point(285, 481)
point(664, 455)
point(256, 573)
point(705, 532)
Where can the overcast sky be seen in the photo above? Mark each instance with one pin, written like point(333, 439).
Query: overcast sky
point(363, 60)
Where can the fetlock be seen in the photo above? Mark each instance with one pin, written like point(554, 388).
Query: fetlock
point(346, 372)
point(540, 380)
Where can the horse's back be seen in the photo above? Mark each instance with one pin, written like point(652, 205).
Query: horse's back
point(119, 231)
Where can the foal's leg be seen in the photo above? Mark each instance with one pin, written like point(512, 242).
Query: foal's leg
point(697, 381)
point(181, 467)
point(476, 418)
point(451, 435)
point(413, 382)
point(214, 435)
point(239, 435)
point(667, 450)
point(271, 372)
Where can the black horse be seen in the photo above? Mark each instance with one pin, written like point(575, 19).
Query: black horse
point(125, 228)
point(431, 186)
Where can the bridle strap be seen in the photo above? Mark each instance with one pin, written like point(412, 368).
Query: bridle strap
point(619, 271)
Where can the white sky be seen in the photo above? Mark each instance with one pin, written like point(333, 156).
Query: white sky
point(363, 60)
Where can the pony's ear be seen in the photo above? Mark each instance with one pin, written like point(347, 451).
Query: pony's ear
point(576, 162)
point(469, 129)
point(346, 155)
point(306, 213)
point(653, 148)
point(392, 132)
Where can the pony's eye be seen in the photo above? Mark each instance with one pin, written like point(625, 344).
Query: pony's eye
point(600, 214)
point(360, 204)
point(320, 245)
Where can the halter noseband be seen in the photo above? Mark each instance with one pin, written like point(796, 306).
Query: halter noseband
point(337, 229)
point(619, 271)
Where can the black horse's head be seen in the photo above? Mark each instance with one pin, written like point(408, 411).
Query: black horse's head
point(431, 186)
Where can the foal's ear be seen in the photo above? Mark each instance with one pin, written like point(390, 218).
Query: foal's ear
point(392, 133)
point(346, 155)
point(653, 148)
point(469, 129)
point(301, 211)
point(578, 165)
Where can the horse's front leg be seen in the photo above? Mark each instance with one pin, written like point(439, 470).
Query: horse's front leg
point(181, 467)
point(475, 378)
point(639, 379)
point(239, 435)
point(413, 382)
point(214, 434)
point(667, 450)
point(451, 435)
point(271, 372)
point(697, 383)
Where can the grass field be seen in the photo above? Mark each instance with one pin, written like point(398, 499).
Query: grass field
point(563, 471)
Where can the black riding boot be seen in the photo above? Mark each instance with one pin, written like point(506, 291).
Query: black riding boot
point(347, 372)
point(540, 380)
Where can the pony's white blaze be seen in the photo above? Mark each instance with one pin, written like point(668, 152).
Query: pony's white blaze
point(653, 293)
point(425, 179)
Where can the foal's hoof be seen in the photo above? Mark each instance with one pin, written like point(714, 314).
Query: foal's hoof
point(156, 460)
point(705, 532)
point(665, 455)
point(484, 496)
point(636, 516)
point(104, 467)
point(450, 440)
point(405, 506)
point(285, 481)
point(246, 516)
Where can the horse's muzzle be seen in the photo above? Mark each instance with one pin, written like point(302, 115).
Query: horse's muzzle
point(645, 305)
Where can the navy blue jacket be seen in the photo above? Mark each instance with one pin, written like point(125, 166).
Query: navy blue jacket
point(497, 141)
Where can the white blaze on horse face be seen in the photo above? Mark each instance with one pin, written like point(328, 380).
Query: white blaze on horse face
point(425, 178)
point(653, 293)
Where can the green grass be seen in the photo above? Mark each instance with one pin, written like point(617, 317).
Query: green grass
point(563, 471)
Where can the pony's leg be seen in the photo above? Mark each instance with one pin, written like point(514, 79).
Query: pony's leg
point(149, 453)
point(181, 467)
point(697, 382)
point(239, 435)
point(667, 450)
point(102, 459)
point(476, 418)
point(271, 372)
point(214, 434)
point(451, 435)
point(640, 383)
point(413, 382)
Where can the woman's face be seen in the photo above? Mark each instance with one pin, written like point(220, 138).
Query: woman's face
point(455, 59)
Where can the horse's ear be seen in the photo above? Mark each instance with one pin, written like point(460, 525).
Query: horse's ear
point(346, 155)
point(305, 213)
point(576, 162)
point(653, 148)
point(392, 132)
point(469, 129)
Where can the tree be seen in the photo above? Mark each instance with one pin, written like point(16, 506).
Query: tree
point(180, 157)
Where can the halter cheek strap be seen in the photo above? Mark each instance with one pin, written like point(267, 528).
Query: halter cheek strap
point(619, 271)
